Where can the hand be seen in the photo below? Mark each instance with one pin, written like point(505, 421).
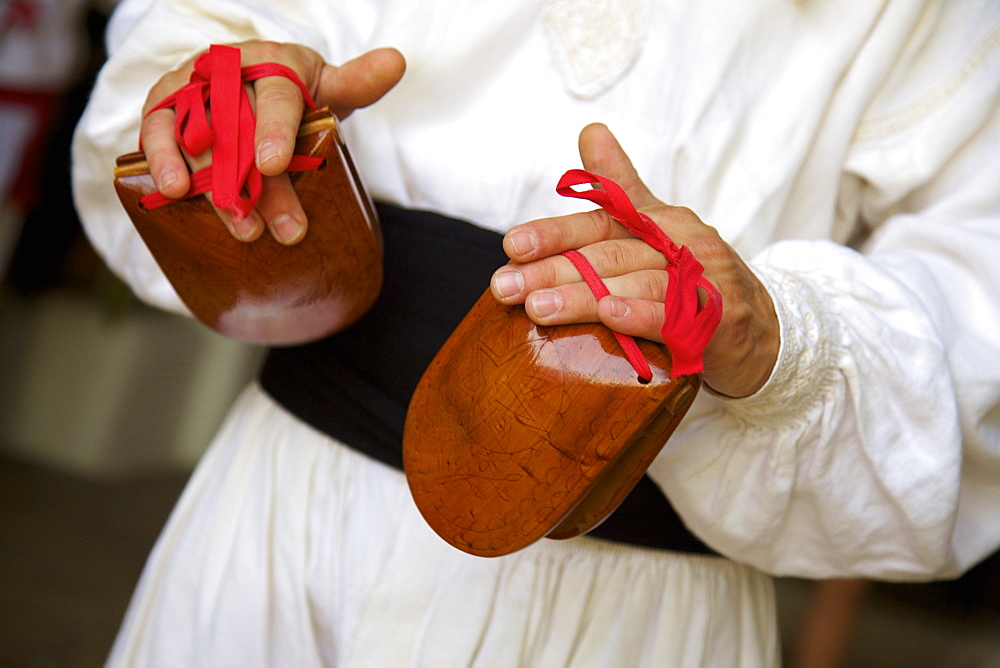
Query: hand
point(278, 107)
point(741, 354)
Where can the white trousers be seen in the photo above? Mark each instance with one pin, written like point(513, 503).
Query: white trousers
point(290, 549)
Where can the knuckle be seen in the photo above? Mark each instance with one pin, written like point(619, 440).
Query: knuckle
point(682, 217)
point(549, 273)
point(712, 246)
point(268, 51)
point(641, 318)
point(277, 94)
point(579, 301)
point(538, 275)
point(599, 220)
point(652, 285)
point(686, 214)
point(155, 123)
point(612, 258)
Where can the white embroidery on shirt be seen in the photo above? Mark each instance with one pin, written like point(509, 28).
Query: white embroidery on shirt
point(895, 122)
point(806, 355)
point(594, 42)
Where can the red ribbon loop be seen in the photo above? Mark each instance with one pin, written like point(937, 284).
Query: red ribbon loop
point(600, 290)
point(217, 82)
point(688, 326)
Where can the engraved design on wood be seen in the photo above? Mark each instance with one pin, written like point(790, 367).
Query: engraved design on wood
point(517, 432)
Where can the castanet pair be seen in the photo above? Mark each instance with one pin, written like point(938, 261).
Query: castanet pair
point(515, 432)
point(264, 292)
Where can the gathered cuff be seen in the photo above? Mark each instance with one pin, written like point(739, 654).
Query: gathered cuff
point(806, 359)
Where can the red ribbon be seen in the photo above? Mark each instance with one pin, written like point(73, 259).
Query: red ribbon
point(217, 83)
point(600, 290)
point(20, 15)
point(687, 326)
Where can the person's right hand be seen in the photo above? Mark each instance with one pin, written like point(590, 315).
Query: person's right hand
point(278, 106)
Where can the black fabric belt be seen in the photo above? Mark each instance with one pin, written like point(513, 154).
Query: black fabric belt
point(356, 385)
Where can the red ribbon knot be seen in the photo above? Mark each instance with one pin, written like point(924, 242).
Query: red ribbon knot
point(688, 326)
point(215, 89)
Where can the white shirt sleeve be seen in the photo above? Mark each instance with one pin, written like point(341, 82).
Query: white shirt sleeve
point(874, 448)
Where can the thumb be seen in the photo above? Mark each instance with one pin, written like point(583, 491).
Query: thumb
point(602, 154)
point(361, 81)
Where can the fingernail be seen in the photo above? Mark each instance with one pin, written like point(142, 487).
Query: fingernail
point(522, 242)
point(544, 304)
point(286, 228)
point(167, 178)
point(619, 309)
point(244, 228)
point(266, 152)
point(508, 283)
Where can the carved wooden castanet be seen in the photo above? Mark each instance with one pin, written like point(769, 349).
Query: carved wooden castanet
point(518, 432)
point(262, 291)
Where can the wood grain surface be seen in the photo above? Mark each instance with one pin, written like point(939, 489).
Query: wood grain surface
point(518, 431)
point(264, 292)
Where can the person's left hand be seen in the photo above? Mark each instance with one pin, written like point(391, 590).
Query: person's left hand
point(741, 354)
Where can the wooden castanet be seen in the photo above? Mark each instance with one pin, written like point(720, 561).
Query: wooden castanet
point(518, 432)
point(264, 292)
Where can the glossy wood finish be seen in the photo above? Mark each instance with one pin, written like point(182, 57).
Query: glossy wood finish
point(518, 431)
point(263, 292)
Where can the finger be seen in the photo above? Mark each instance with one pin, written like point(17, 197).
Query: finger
point(568, 304)
point(602, 154)
point(279, 206)
point(648, 285)
point(635, 309)
point(575, 302)
point(244, 229)
point(279, 106)
point(169, 168)
point(361, 81)
point(634, 317)
point(166, 162)
point(545, 237)
point(513, 282)
point(277, 101)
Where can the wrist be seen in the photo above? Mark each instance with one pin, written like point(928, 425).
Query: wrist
point(742, 355)
point(805, 354)
point(749, 358)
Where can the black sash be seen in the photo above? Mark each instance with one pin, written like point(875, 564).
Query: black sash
point(355, 386)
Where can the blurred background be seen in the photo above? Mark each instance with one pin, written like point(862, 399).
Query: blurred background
point(106, 406)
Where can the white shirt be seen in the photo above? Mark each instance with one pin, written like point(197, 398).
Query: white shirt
point(848, 148)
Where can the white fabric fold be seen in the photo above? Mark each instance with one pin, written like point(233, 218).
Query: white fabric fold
point(289, 549)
